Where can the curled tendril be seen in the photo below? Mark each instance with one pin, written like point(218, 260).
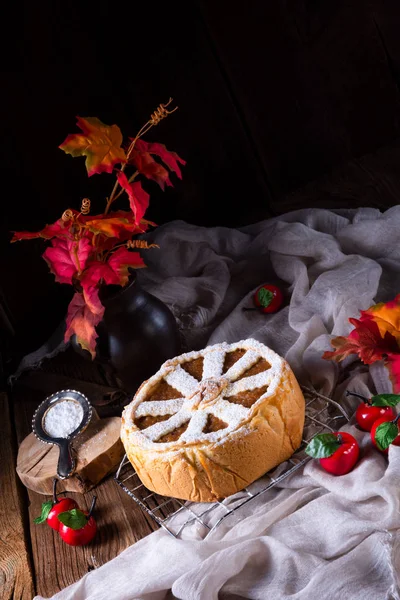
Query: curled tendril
point(85, 206)
point(140, 244)
point(161, 112)
point(67, 215)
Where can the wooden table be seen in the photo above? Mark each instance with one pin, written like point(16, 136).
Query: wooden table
point(33, 559)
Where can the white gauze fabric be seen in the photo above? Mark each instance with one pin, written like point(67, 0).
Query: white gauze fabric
point(317, 536)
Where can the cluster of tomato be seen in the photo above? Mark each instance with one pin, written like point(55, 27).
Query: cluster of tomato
point(76, 527)
point(338, 452)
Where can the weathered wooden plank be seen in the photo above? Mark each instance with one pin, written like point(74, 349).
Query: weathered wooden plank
point(120, 521)
point(16, 581)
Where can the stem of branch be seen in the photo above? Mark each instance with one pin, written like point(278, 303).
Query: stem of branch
point(159, 114)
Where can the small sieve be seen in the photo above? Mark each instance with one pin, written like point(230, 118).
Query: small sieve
point(66, 462)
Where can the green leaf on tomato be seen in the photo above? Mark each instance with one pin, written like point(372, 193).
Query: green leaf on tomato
point(46, 508)
point(74, 518)
point(265, 297)
point(385, 434)
point(385, 400)
point(322, 445)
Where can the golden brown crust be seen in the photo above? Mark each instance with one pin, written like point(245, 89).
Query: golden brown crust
point(206, 471)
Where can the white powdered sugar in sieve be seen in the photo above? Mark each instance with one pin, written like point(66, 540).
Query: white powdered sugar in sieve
point(63, 418)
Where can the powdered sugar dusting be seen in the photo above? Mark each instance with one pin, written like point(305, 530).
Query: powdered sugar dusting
point(241, 365)
point(182, 381)
point(249, 383)
point(159, 408)
point(201, 398)
point(163, 427)
point(63, 418)
point(195, 428)
point(213, 363)
point(230, 413)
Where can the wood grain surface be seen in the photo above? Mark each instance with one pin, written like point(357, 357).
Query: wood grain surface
point(98, 451)
point(16, 580)
point(120, 521)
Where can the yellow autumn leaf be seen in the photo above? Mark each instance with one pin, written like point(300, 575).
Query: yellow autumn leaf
point(100, 143)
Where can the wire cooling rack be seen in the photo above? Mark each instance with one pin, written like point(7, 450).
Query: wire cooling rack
point(323, 415)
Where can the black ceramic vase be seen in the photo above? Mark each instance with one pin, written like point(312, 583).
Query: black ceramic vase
point(136, 335)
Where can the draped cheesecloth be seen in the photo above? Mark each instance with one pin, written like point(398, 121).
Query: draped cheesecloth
point(316, 536)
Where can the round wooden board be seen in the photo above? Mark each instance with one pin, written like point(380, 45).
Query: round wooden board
point(98, 451)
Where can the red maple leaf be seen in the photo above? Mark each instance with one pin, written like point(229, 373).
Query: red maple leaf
point(393, 364)
point(141, 157)
point(86, 310)
point(66, 257)
point(123, 259)
point(343, 348)
point(138, 198)
point(365, 340)
point(57, 229)
point(150, 168)
point(96, 273)
point(82, 322)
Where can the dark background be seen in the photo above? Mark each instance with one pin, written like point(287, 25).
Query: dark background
point(282, 105)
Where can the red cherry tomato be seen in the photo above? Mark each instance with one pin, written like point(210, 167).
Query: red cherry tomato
point(366, 415)
point(396, 441)
point(268, 298)
point(344, 458)
point(78, 537)
point(60, 506)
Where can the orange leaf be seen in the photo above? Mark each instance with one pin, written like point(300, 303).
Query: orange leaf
point(121, 260)
point(110, 227)
point(100, 143)
point(120, 224)
point(386, 315)
point(343, 348)
point(82, 322)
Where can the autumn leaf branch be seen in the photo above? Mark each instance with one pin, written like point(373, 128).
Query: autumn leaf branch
point(160, 113)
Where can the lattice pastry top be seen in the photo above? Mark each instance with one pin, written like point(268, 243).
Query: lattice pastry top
point(202, 396)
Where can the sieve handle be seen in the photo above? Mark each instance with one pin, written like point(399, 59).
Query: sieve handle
point(66, 464)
